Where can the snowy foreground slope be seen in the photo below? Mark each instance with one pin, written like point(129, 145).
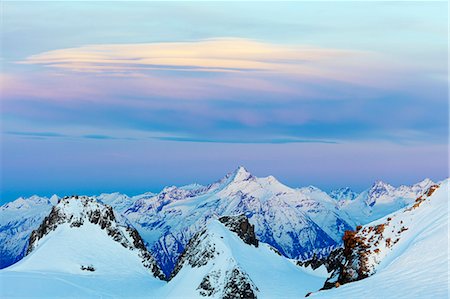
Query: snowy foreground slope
point(218, 264)
point(406, 253)
point(81, 251)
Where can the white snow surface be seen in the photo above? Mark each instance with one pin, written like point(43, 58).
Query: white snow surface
point(417, 265)
point(53, 269)
point(273, 275)
point(17, 220)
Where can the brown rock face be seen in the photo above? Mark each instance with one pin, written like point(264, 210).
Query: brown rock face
point(352, 265)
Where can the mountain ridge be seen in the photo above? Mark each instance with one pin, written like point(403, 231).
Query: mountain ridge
point(310, 203)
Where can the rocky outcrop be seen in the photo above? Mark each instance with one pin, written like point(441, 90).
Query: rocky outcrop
point(331, 262)
point(76, 211)
point(222, 277)
point(239, 285)
point(197, 256)
point(242, 227)
point(366, 247)
point(354, 263)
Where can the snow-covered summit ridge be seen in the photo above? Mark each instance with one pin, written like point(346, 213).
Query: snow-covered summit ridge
point(26, 203)
point(85, 213)
point(382, 192)
point(241, 174)
point(295, 222)
point(217, 263)
point(374, 247)
point(382, 199)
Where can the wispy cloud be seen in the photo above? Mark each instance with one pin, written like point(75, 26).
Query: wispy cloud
point(36, 134)
point(224, 90)
point(98, 136)
point(46, 135)
point(222, 55)
point(264, 140)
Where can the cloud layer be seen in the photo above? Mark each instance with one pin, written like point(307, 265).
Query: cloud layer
point(229, 90)
point(211, 55)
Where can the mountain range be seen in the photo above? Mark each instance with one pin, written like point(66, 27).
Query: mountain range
point(215, 241)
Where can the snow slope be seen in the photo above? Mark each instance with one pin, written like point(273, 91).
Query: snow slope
point(80, 250)
point(408, 257)
point(17, 220)
point(217, 263)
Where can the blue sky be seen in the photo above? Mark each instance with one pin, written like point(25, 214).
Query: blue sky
point(133, 96)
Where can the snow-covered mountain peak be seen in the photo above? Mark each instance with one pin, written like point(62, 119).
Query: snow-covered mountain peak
point(241, 174)
point(239, 180)
point(421, 186)
point(27, 203)
point(379, 190)
point(217, 273)
point(93, 226)
point(218, 264)
point(145, 195)
point(427, 182)
point(381, 186)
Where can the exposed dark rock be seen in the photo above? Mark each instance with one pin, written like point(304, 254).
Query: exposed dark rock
point(48, 224)
point(208, 286)
point(197, 256)
point(89, 268)
point(242, 227)
point(194, 254)
point(239, 285)
point(331, 262)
